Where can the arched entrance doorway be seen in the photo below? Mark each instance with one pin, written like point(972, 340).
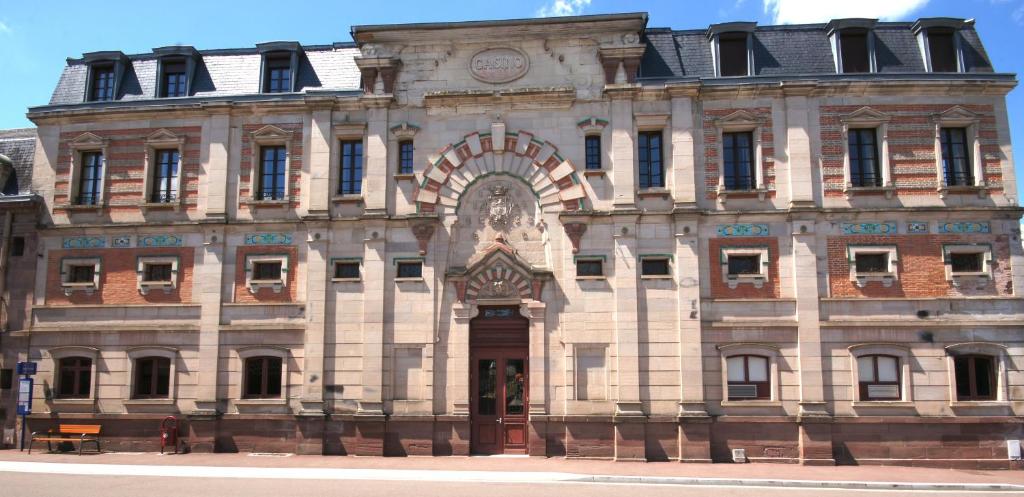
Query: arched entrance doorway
point(499, 369)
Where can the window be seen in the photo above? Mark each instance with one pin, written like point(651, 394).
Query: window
point(855, 52)
point(956, 159)
point(262, 377)
point(102, 83)
point(6, 378)
point(173, 82)
point(865, 169)
point(589, 268)
point(277, 74)
point(649, 148)
point(975, 377)
point(408, 382)
point(738, 150)
point(872, 263)
point(942, 50)
point(744, 264)
point(654, 266)
point(158, 272)
point(966, 263)
point(591, 374)
point(152, 378)
point(90, 178)
point(732, 53)
point(266, 271)
point(165, 177)
point(405, 156)
point(81, 273)
point(351, 167)
point(878, 377)
point(74, 377)
point(17, 246)
point(592, 144)
point(346, 270)
point(748, 377)
point(410, 269)
point(272, 173)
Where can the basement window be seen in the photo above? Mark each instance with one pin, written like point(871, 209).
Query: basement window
point(346, 271)
point(655, 267)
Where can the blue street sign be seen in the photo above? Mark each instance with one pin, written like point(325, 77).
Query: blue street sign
point(27, 368)
point(25, 396)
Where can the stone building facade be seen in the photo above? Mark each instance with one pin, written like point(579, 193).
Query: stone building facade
point(575, 237)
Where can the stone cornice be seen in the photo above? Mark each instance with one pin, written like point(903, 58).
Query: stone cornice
point(550, 97)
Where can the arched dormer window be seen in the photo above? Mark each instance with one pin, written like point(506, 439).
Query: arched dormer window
point(732, 48)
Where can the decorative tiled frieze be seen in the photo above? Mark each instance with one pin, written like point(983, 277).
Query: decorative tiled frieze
point(84, 242)
point(916, 227)
point(268, 239)
point(124, 241)
point(166, 240)
point(965, 227)
point(743, 230)
point(886, 228)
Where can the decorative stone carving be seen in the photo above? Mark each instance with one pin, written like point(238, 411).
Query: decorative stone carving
point(500, 211)
point(575, 232)
point(497, 289)
point(499, 65)
point(423, 232)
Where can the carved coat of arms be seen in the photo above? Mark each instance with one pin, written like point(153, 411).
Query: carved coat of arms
point(500, 210)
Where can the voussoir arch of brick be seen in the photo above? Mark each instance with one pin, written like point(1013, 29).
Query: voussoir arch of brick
point(552, 177)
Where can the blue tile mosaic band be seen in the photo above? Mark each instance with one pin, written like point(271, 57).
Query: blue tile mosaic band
point(742, 230)
point(917, 227)
point(965, 227)
point(886, 228)
point(268, 239)
point(167, 240)
point(85, 242)
point(121, 241)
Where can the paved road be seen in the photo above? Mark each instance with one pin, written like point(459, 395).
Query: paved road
point(42, 485)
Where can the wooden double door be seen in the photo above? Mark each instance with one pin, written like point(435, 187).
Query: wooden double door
point(499, 386)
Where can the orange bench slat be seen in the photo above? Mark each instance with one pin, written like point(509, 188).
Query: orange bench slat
point(80, 429)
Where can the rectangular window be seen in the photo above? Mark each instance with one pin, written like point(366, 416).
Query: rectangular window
point(90, 178)
point(74, 377)
point(173, 82)
point(408, 369)
point(744, 264)
point(967, 262)
point(871, 263)
point(748, 377)
point(263, 377)
point(405, 156)
point(410, 269)
point(165, 177)
point(591, 374)
point(266, 271)
point(942, 50)
point(589, 267)
point(865, 170)
point(17, 246)
point(6, 378)
point(738, 159)
point(161, 272)
point(346, 270)
point(102, 83)
point(272, 173)
point(278, 74)
point(351, 179)
point(975, 377)
point(654, 266)
point(956, 158)
point(81, 274)
point(878, 377)
point(732, 52)
point(650, 159)
point(853, 43)
point(593, 152)
point(152, 377)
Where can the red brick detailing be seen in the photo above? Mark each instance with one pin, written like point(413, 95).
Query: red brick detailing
point(247, 154)
point(719, 288)
point(911, 146)
point(711, 149)
point(287, 294)
point(119, 277)
point(921, 270)
point(125, 167)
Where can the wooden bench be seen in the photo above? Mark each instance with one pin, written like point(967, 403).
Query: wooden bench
point(69, 433)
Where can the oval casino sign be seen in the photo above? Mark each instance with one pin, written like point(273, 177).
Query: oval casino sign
point(499, 65)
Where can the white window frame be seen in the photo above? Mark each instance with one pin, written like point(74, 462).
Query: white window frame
point(765, 350)
point(343, 260)
point(162, 139)
point(269, 136)
point(83, 143)
point(886, 278)
point(985, 275)
point(868, 118)
point(734, 280)
point(741, 121)
point(237, 388)
point(668, 258)
point(902, 353)
point(995, 350)
point(56, 354)
point(71, 287)
point(144, 286)
point(959, 117)
point(600, 349)
point(255, 285)
point(135, 353)
point(340, 133)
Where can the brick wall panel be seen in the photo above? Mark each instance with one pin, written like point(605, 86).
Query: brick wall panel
point(118, 277)
point(721, 290)
point(242, 293)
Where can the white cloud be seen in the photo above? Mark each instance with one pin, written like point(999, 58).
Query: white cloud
point(563, 8)
point(808, 11)
point(5, 29)
point(1018, 15)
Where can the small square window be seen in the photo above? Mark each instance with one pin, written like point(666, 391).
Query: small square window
point(266, 271)
point(6, 378)
point(410, 269)
point(160, 272)
point(654, 266)
point(744, 264)
point(967, 262)
point(589, 267)
point(872, 263)
point(81, 273)
point(346, 270)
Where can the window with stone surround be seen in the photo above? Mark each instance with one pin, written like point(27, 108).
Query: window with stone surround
point(744, 265)
point(873, 263)
point(738, 160)
point(405, 157)
point(750, 374)
point(162, 183)
point(80, 274)
point(866, 164)
point(165, 176)
point(74, 377)
point(650, 157)
point(266, 271)
point(865, 168)
point(157, 273)
point(882, 373)
point(589, 267)
point(958, 158)
point(90, 179)
point(152, 378)
point(273, 170)
point(591, 370)
point(351, 167)
point(263, 378)
point(408, 373)
point(739, 154)
point(409, 269)
point(967, 261)
point(655, 266)
point(592, 146)
point(977, 373)
point(347, 270)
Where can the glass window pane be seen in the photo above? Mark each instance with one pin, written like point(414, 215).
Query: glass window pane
point(888, 369)
point(758, 368)
point(962, 371)
point(487, 372)
point(983, 373)
point(865, 368)
point(273, 376)
point(515, 386)
point(735, 369)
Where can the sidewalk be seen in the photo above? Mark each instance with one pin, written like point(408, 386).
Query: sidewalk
point(511, 470)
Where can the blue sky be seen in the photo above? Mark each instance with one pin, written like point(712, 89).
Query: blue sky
point(35, 38)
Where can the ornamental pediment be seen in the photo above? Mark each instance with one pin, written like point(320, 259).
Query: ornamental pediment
point(865, 115)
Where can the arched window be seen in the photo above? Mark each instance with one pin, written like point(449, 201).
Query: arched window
point(74, 377)
point(262, 377)
point(749, 377)
point(152, 378)
point(975, 376)
point(879, 377)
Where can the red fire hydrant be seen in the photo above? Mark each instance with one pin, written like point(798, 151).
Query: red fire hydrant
point(169, 433)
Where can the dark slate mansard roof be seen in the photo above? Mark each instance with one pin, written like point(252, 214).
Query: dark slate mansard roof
point(19, 145)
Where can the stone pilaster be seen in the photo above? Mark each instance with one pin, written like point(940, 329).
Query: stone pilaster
point(684, 183)
point(798, 146)
point(626, 333)
point(458, 358)
point(623, 146)
point(691, 371)
point(535, 311)
point(209, 273)
point(316, 297)
point(374, 269)
point(214, 164)
point(319, 155)
point(375, 164)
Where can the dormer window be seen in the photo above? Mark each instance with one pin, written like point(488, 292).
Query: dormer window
point(732, 48)
point(174, 73)
point(102, 83)
point(280, 66)
point(174, 78)
point(940, 43)
point(105, 70)
point(853, 45)
point(942, 50)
